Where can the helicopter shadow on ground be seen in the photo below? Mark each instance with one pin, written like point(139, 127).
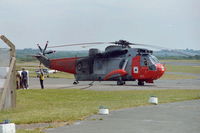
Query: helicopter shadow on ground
point(129, 85)
point(76, 87)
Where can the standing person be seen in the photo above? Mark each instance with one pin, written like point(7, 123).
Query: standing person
point(41, 77)
point(24, 78)
point(18, 81)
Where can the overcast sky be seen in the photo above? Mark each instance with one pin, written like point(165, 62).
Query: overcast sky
point(168, 23)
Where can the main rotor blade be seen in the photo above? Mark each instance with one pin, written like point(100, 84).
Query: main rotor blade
point(148, 45)
point(162, 48)
point(79, 44)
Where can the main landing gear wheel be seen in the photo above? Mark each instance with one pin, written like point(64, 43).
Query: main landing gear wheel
point(121, 82)
point(75, 82)
point(141, 83)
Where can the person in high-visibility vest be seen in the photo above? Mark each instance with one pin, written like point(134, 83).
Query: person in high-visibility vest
point(41, 77)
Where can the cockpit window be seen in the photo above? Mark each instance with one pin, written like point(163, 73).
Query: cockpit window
point(149, 61)
point(153, 59)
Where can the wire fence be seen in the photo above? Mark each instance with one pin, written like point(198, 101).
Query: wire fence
point(4, 65)
point(4, 57)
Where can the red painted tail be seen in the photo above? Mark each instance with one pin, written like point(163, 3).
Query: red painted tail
point(65, 64)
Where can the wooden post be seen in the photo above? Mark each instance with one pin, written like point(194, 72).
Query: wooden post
point(8, 96)
point(10, 44)
point(8, 90)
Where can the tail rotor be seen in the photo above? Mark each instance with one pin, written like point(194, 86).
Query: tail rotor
point(43, 51)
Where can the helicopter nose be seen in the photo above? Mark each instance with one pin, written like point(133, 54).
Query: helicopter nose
point(160, 70)
point(161, 67)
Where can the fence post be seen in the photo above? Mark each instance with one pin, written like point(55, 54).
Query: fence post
point(8, 96)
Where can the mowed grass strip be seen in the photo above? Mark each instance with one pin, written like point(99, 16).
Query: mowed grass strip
point(29, 131)
point(184, 69)
point(177, 76)
point(39, 106)
point(55, 75)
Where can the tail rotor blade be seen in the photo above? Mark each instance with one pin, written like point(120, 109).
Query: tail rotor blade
point(40, 48)
point(49, 52)
point(45, 46)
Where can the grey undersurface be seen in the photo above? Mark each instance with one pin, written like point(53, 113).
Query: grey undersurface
point(180, 117)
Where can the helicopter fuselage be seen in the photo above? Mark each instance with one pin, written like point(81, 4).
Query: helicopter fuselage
point(117, 63)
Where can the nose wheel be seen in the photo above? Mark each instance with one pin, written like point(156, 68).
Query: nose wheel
point(140, 83)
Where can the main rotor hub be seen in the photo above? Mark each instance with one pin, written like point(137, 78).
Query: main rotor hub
point(123, 43)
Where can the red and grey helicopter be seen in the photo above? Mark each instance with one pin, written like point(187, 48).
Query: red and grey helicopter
point(119, 62)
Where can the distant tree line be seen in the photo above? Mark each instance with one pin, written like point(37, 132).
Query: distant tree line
point(195, 57)
point(27, 54)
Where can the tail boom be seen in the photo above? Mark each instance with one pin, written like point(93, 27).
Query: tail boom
point(64, 64)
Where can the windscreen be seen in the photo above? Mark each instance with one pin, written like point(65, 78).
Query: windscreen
point(149, 61)
point(153, 59)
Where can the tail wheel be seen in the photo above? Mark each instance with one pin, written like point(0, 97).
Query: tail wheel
point(75, 82)
point(120, 82)
point(140, 83)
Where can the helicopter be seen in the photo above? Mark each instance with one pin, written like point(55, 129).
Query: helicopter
point(119, 62)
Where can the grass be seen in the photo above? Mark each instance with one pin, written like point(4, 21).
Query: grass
point(28, 131)
point(62, 75)
point(56, 75)
point(177, 76)
point(41, 106)
point(184, 69)
point(25, 62)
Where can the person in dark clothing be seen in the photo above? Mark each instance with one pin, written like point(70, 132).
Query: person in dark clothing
point(41, 77)
point(24, 78)
point(18, 81)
